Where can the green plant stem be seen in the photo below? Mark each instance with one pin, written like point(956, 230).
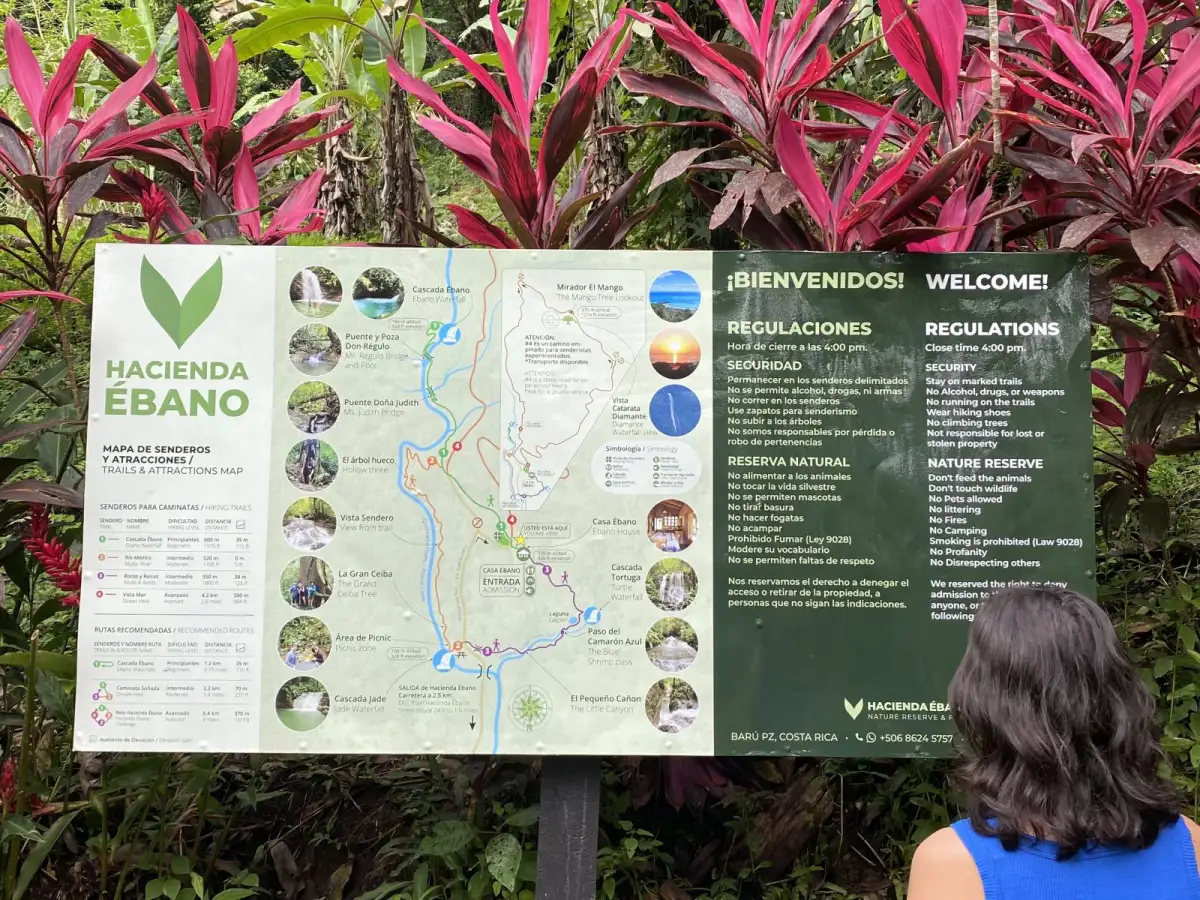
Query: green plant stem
point(23, 764)
point(67, 355)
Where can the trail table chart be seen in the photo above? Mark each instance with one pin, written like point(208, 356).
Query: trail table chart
point(369, 500)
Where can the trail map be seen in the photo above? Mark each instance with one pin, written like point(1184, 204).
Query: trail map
point(360, 500)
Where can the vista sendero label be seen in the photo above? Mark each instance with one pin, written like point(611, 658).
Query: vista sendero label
point(179, 319)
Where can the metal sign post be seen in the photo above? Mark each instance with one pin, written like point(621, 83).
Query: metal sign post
point(568, 828)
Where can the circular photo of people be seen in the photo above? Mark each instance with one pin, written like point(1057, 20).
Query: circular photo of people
point(671, 584)
point(671, 526)
point(309, 523)
point(302, 703)
point(674, 296)
point(672, 644)
point(675, 353)
point(672, 705)
point(675, 410)
point(311, 465)
point(304, 643)
point(306, 582)
point(315, 292)
point(378, 293)
point(314, 407)
point(315, 349)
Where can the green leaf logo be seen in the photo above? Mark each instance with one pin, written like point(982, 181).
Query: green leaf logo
point(853, 710)
point(180, 320)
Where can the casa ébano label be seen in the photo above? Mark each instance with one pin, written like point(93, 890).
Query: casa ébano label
point(180, 319)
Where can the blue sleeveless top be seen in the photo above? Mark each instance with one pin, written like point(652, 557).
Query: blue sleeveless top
point(1164, 871)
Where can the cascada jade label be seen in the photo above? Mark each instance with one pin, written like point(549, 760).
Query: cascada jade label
point(380, 500)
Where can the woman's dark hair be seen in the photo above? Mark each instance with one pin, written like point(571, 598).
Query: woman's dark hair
point(1060, 737)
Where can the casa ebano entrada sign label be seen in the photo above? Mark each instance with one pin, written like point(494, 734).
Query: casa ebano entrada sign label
point(371, 500)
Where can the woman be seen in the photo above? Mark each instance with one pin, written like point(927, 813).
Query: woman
point(1061, 769)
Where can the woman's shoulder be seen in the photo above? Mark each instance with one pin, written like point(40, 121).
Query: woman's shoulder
point(943, 869)
point(1194, 831)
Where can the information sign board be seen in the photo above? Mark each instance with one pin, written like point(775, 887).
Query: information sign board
point(368, 500)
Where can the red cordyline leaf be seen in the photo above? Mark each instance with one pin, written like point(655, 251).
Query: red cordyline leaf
point(60, 94)
point(272, 113)
point(517, 178)
point(424, 92)
point(246, 196)
point(5, 296)
point(25, 72)
point(1137, 367)
point(532, 52)
point(55, 558)
point(1110, 105)
point(797, 164)
point(1106, 413)
point(224, 87)
point(298, 214)
point(906, 47)
point(195, 62)
point(1109, 383)
point(478, 230)
point(116, 104)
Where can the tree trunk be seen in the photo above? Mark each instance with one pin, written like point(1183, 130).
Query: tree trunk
point(405, 192)
point(610, 156)
point(345, 187)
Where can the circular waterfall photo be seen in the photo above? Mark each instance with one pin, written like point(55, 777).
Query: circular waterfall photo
point(672, 644)
point(675, 410)
point(671, 585)
point(672, 705)
point(315, 292)
point(302, 703)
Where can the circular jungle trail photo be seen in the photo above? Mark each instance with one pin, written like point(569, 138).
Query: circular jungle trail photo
point(311, 465)
point(314, 407)
point(304, 643)
point(672, 705)
point(306, 582)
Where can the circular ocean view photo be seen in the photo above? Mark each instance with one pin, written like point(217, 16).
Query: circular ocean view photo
point(674, 296)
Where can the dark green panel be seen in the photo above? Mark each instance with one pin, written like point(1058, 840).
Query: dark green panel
point(851, 478)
